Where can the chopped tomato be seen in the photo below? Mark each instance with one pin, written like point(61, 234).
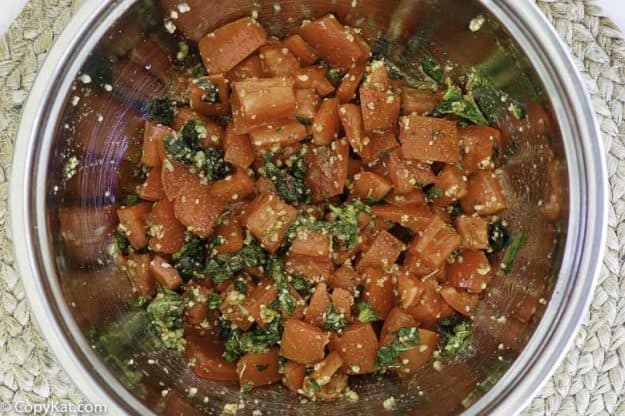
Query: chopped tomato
point(358, 346)
point(259, 369)
point(229, 45)
point(196, 309)
point(206, 355)
point(259, 299)
point(302, 342)
point(294, 374)
point(327, 170)
point(256, 102)
point(238, 149)
point(307, 104)
point(153, 147)
point(408, 175)
point(429, 139)
point(318, 305)
point(451, 184)
point(175, 177)
point(351, 118)
point(346, 91)
point(380, 109)
point(315, 268)
point(210, 95)
point(152, 188)
point(314, 77)
point(276, 135)
point(378, 290)
point(278, 61)
point(233, 306)
point(335, 43)
point(474, 232)
point(460, 300)
point(326, 122)
point(268, 220)
point(470, 271)
point(165, 274)
point(342, 301)
point(166, 233)
point(251, 67)
point(234, 187)
point(312, 243)
point(479, 144)
point(230, 232)
point(429, 251)
point(345, 277)
point(371, 186)
point(197, 209)
point(419, 101)
point(377, 146)
point(138, 270)
point(415, 197)
point(484, 196)
point(300, 48)
point(134, 222)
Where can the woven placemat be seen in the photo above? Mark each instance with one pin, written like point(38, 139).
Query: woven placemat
point(591, 380)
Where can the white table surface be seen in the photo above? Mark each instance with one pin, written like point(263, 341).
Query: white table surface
point(615, 9)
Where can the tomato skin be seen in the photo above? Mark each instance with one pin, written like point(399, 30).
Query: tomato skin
point(313, 77)
point(318, 305)
point(277, 61)
point(377, 146)
point(414, 217)
point(229, 45)
point(380, 109)
point(137, 268)
point(429, 139)
point(238, 149)
point(351, 119)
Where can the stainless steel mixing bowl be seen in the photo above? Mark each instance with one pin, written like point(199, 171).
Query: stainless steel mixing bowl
point(557, 172)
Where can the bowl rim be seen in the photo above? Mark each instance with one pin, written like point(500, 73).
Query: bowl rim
point(583, 254)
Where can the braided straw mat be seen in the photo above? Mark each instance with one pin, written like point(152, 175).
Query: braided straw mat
point(590, 381)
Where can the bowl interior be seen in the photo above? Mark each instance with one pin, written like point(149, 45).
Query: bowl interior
point(98, 145)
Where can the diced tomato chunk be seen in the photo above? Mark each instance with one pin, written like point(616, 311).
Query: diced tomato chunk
point(268, 220)
point(429, 139)
point(415, 197)
point(277, 61)
point(345, 277)
point(314, 268)
point(346, 91)
point(294, 374)
point(138, 270)
point(412, 360)
point(167, 234)
point(419, 101)
point(414, 217)
point(460, 300)
point(210, 95)
point(238, 149)
point(326, 122)
point(479, 144)
point(314, 77)
point(474, 232)
point(382, 253)
point(452, 185)
point(302, 342)
point(276, 135)
point(197, 209)
point(259, 369)
point(378, 146)
point(134, 221)
point(369, 185)
point(312, 243)
point(175, 177)
point(334, 42)
point(484, 196)
point(233, 306)
point(351, 118)
point(408, 175)
point(318, 305)
point(153, 147)
point(307, 104)
point(326, 173)
point(378, 291)
point(230, 232)
point(256, 102)
point(152, 188)
point(229, 45)
point(165, 274)
point(206, 354)
point(380, 109)
point(358, 346)
point(251, 67)
point(342, 301)
point(234, 187)
point(300, 48)
point(429, 251)
point(470, 271)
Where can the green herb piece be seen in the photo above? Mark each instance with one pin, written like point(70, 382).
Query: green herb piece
point(513, 250)
point(288, 180)
point(433, 192)
point(225, 266)
point(301, 285)
point(121, 242)
point(210, 91)
point(406, 339)
point(463, 106)
point(366, 313)
point(335, 321)
point(455, 337)
point(241, 286)
point(303, 120)
point(247, 387)
point(183, 51)
point(160, 110)
point(131, 199)
point(498, 236)
point(286, 302)
point(491, 100)
point(198, 71)
point(237, 342)
point(314, 385)
point(335, 74)
point(213, 301)
point(431, 68)
point(345, 227)
point(189, 260)
point(165, 313)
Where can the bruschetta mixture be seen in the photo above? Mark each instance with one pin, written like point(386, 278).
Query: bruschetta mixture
point(310, 213)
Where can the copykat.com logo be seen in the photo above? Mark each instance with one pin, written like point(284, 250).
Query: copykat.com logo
point(48, 408)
